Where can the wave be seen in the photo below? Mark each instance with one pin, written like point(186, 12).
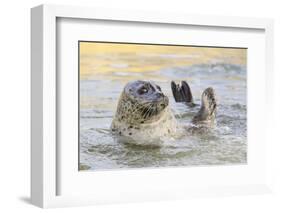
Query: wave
point(204, 70)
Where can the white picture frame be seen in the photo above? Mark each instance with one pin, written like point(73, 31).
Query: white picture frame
point(44, 149)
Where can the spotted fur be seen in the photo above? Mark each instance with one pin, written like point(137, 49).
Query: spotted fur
point(143, 112)
point(143, 118)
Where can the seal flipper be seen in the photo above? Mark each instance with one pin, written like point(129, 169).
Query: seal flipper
point(182, 93)
point(207, 112)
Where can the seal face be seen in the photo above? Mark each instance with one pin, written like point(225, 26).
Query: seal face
point(142, 112)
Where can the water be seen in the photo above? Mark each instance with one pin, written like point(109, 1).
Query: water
point(223, 145)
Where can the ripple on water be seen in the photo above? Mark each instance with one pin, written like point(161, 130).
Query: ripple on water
point(225, 144)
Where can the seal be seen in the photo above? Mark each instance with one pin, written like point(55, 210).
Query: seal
point(143, 113)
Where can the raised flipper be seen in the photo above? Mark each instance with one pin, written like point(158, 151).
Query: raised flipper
point(182, 93)
point(207, 112)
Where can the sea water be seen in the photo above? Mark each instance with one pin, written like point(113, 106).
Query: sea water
point(225, 144)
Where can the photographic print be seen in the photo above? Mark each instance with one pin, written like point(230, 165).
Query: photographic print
point(159, 105)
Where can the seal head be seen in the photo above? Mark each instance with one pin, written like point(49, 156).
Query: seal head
point(141, 102)
point(142, 107)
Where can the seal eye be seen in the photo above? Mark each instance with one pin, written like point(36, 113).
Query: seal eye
point(159, 88)
point(143, 90)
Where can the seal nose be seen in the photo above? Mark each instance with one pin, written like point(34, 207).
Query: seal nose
point(159, 95)
point(165, 102)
